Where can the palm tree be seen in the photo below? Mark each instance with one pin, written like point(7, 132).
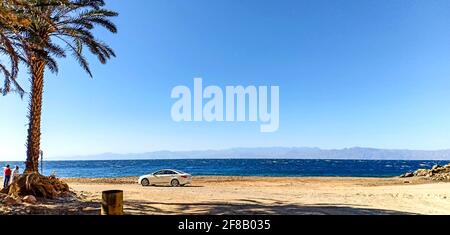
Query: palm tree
point(37, 33)
point(57, 27)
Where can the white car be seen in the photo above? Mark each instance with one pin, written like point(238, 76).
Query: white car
point(173, 178)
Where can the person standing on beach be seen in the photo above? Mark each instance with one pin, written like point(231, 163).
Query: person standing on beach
point(6, 176)
point(15, 174)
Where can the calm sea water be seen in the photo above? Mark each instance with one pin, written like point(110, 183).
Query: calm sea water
point(235, 167)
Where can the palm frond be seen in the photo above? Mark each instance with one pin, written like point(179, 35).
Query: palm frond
point(54, 28)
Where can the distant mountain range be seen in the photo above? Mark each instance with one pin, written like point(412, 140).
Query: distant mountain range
point(356, 153)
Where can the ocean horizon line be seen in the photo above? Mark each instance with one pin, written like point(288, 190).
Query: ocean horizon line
point(274, 159)
point(183, 159)
point(275, 152)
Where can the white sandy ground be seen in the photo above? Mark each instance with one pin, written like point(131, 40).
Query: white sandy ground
point(264, 195)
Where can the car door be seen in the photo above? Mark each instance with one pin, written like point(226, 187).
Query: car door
point(158, 177)
point(172, 175)
point(168, 176)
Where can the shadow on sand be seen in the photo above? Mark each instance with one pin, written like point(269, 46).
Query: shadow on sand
point(241, 207)
point(251, 207)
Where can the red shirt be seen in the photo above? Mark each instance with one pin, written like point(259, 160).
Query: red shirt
point(7, 171)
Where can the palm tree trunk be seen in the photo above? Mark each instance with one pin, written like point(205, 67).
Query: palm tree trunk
point(35, 109)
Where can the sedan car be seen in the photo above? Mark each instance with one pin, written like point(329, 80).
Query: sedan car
point(173, 178)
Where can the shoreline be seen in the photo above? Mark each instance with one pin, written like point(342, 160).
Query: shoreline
point(222, 179)
point(229, 178)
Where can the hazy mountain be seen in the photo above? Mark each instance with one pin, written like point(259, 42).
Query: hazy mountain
point(279, 152)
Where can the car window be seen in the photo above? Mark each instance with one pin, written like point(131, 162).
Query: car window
point(159, 173)
point(170, 172)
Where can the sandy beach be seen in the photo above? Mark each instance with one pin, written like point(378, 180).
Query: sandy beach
point(265, 195)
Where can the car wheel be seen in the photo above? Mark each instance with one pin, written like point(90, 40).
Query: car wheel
point(145, 182)
point(174, 183)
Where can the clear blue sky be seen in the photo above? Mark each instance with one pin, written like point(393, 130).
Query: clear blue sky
point(368, 73)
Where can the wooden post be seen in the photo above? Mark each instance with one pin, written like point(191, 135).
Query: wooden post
point(112, 202)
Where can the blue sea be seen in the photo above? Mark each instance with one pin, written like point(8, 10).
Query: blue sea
point(234, 167)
